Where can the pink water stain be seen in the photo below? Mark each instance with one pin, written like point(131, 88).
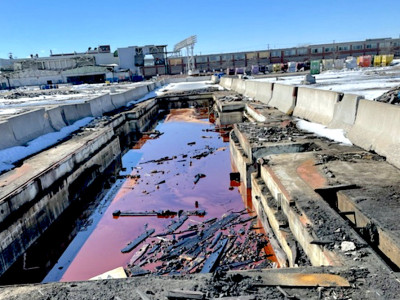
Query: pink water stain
point(102, 250)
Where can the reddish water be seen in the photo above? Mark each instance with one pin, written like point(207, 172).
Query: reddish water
point(101, 251)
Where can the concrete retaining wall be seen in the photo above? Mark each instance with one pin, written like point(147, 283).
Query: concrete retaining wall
point(284, 98)
point(316, 105)
point(345, 112)
point(377, 128)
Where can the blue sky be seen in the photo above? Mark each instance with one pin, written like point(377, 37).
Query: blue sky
point(220, 25)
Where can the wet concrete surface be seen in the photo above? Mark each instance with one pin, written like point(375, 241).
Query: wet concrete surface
point(161, 175)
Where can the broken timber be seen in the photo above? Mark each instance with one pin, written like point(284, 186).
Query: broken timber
point(213, 260)
point(132, 245)
point(139, 254)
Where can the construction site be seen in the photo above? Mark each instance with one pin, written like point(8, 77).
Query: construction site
point(244, 184)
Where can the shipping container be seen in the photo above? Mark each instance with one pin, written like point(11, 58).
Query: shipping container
point(387, 59)
point(255, 70)
point(315, 67)
point(365, 61)
point(175, 61)
point(292, 67)
point(327, 64)
point(239, 71)
point(277, 67)
point(377, 60)
point(338, 64)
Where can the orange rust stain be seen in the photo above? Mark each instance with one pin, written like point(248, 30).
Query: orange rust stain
point(139, 144)
point(15, 174)
point(186, 115)
point(279, 184)
point(268, 248)
point(310, 174)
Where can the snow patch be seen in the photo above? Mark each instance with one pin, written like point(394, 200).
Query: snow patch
point(336, 135)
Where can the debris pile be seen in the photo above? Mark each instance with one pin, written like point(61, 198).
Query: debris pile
point(230, 242)
point(264, 133)
point(391, 97)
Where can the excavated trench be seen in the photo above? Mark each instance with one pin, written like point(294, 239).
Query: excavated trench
point(179, 175)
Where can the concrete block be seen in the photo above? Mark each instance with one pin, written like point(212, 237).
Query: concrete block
point(226, 82)
point(119, 100)
point(316, 105)
point(136, 93)
point(56, 117)
point(30, 125)
point(214, 79)
point(345, 112)
point(75, 112)
point(7, 136)
point(377, 128)
point(264, 91)
point(234, 85)
point(241, 86)
point(284, 98)
point(100, 105)
point(250, 89)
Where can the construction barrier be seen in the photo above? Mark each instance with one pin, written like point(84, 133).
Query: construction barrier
point(284, 98)
point(100, 105)
point(7, 136)
point(377, 128)
point(235, 83)
point(250, 89)
point(119, 100)
point(56, 117)
point(316, 105)
point(264, 91)
point(29, 125)
point(226, 82)
point(75, 112)
point(345, 111)
point(241, 86)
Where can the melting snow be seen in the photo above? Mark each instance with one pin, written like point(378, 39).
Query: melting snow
point(336, 135)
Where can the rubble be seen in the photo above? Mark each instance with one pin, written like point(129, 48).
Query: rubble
point(391, 97)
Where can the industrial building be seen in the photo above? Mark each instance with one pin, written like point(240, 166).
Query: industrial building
point(134, 62)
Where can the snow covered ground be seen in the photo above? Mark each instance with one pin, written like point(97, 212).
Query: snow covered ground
point(367, 82)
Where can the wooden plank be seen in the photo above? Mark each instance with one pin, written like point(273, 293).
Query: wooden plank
point(139, 254)
point(132, 245)
point(213, 260)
